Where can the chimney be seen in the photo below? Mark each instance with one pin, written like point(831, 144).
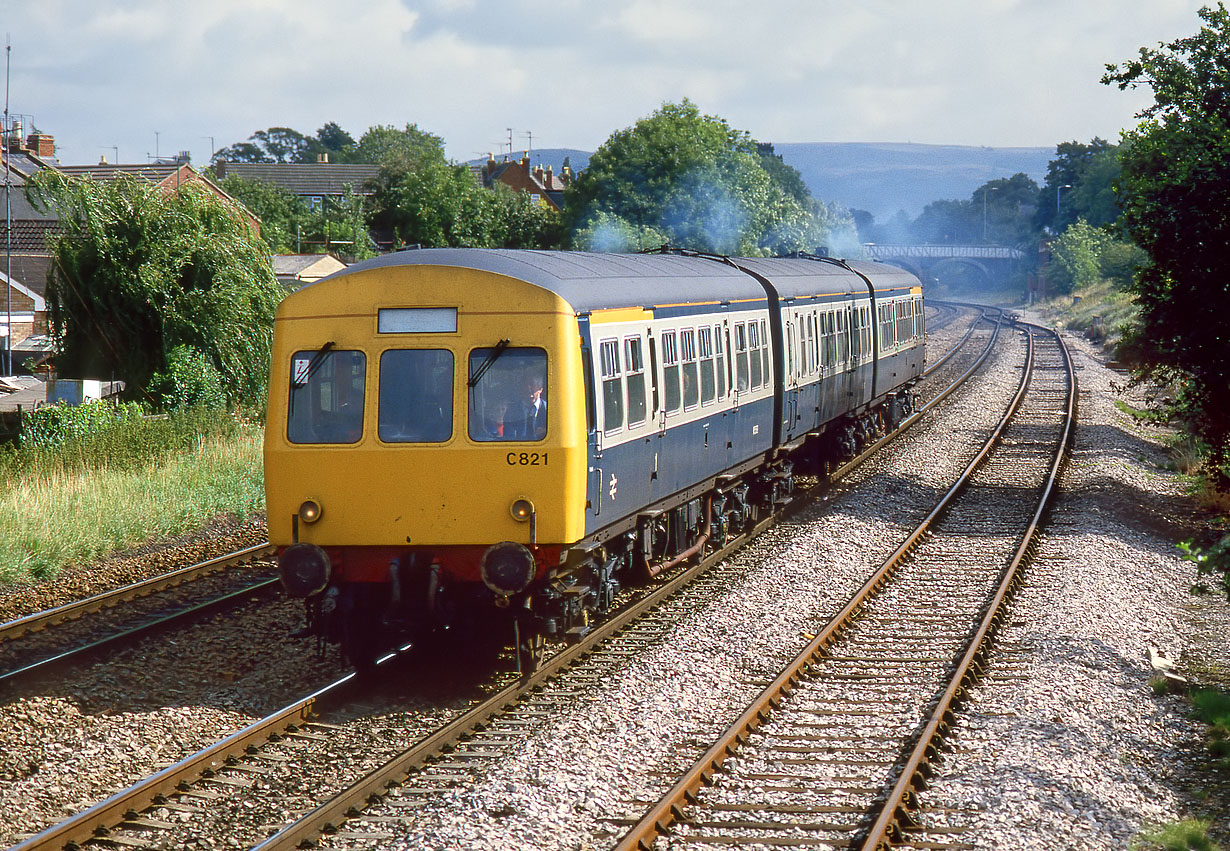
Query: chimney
point(41, 145)
point(525, 161)
point(322, 158)
point(549, 180)
point(565, 175)
point(539, 175)
point(102, 160)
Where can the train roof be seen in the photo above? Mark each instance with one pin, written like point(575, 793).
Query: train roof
point(591, 281)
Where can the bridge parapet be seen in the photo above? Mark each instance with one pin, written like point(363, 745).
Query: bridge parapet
point(888, 251)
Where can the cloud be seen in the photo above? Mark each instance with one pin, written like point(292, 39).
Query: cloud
point(994, 72)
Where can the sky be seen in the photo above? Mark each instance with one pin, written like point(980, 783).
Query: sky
point(141, 78)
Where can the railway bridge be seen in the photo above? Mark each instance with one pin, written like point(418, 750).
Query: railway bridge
point(945, 264)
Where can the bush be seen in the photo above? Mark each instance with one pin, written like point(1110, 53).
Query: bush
point(190, 380)
point(54, 426)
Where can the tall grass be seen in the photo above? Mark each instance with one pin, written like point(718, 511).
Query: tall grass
point(122, 485)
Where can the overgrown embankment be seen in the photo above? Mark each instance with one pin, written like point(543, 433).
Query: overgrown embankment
point(90, 480)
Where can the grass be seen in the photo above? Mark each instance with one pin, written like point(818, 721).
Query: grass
point(1177, 836)
point(137, 481)
point(1101, 301)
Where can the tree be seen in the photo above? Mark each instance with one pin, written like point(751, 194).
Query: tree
point(1175, 194)
point(1063, 174)
point(697, 180)
point(400, 150)
point(1076, 257)
point(282, 213)
point(138, 272)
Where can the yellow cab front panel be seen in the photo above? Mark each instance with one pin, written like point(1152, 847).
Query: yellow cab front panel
point(428, 407)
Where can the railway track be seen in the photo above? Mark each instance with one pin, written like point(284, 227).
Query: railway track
point(832, 752)
point(165, 808)
point(46, 641)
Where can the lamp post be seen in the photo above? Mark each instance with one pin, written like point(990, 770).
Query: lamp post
point(985, 190)
point(1058, 193)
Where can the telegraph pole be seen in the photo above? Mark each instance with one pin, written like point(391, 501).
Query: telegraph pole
point(8, 218)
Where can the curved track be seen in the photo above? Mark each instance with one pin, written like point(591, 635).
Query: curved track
point(832, 751)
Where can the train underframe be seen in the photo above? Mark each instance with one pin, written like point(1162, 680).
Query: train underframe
point(416, 596)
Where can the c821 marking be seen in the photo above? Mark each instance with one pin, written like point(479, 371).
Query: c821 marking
point(526, 459)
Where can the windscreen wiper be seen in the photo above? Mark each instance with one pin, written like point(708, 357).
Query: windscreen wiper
point(478, 374)
point(314, 364)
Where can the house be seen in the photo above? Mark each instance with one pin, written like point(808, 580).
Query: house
point(315, 182)
point(296, 271)
point(24, 256)
point(24, 260)
point(168, 176)
point(542, 185)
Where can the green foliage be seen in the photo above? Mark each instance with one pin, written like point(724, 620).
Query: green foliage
point(190, 379)
point(282, 214)
point(286, 145)
point(1187, 835)
point(997, 212)
point(138, 271)
point(1063, 197)
point(607, 232)
point(1075, 257)
point(399, 150)
point(1211, 561)
point(441, 205)
point(123, 483)
point(54, 426)
point(1175, 193)
point(1118, 262)
point(695, 179)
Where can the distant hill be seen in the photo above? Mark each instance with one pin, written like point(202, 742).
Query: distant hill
point(886, 177)
point(881, 178)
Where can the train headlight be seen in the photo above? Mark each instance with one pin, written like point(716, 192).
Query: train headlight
point(507, 568)
point(522, 510)
point(304, 569)
point(310, 511)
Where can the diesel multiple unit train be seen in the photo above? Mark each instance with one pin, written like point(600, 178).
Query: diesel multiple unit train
point(459, 437)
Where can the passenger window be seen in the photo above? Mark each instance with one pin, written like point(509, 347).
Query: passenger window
point(753, 342)
point(741, 363)
point(691, 377)
point(416, 396)
point(708, 383)
point(634, 366)
point(670, 371)
point(719, 356)
point(326, 396)
point(612, 387)
point(508, 394)
point(764, 352)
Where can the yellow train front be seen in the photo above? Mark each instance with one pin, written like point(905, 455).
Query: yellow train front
point(417, 414)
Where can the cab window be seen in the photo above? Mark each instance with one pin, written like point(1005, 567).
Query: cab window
point(508, 394)
point(416, 396)
point(326, 396)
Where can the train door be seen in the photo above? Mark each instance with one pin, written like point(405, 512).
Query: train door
point(790, 385)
